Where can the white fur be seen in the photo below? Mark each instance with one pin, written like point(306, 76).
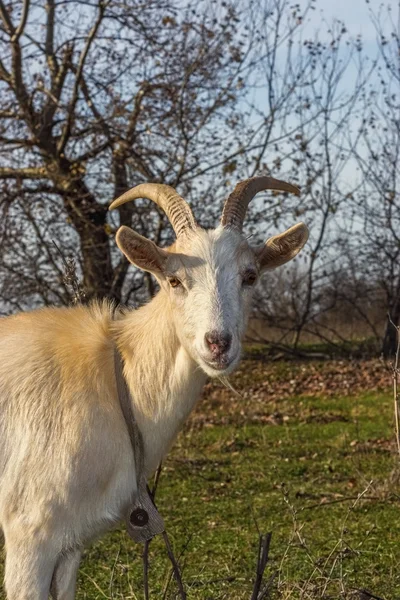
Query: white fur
point(66, 462)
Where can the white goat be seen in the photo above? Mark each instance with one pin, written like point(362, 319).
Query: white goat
point(66, 460)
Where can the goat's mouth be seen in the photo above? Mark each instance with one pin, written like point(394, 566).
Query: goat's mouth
point(219, 366)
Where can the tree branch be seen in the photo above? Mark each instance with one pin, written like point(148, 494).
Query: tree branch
point(4, 74)
point(49, 45)
point(20, 29)
point(26, 173)
point(71, 109)
point(15, 79)
point(9, 27)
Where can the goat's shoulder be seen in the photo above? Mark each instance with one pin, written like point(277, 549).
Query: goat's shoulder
point(75, 342)
point(59, 324)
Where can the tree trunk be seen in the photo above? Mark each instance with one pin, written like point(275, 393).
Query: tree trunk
point(89, 220)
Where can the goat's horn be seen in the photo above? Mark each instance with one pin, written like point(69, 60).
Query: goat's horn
point(175, 207)
point(236, 204)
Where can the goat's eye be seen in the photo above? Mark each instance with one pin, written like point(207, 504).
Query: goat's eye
point(249, 278)
point(174, 282)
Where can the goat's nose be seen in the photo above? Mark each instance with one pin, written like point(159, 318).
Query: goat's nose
point(218, 342)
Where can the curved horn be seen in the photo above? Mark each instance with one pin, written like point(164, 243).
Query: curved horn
point(236, 205)
point(175, 207)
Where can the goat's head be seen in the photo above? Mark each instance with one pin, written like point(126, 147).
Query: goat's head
point(209, 275)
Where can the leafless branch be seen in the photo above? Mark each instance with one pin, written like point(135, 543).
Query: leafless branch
point(49, 44)
point(9, 27)
point(71, 109)
point(71, 278)
point(264, 543)
point(175, 567)
point(24, 16)
point(396, 386)
point(23, 173)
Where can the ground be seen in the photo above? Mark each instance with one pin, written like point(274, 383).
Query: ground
point(305, 450)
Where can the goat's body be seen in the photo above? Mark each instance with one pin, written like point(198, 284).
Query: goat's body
point(66, 461)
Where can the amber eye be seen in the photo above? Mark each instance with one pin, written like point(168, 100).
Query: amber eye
point(249, 278)
point(174, 282)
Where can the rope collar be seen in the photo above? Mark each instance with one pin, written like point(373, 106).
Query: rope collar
point(143, 520)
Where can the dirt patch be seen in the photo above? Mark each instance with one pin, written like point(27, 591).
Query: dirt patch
point(260, 386)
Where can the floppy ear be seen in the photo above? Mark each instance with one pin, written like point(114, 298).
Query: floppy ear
point(283, 247)
point(140, 251)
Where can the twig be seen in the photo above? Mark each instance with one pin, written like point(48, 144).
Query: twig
point(175, 566)
point(264, 543)
point(145, 559)
point(396, 394)
point(70, 277)
point(337, 501)
point(145, 555)
point(169, 577)
point(366, 595)
point(96, 585)
point(157, 476)
point(171, 556)
point(113, 571)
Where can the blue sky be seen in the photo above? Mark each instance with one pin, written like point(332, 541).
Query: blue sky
point(354, 13)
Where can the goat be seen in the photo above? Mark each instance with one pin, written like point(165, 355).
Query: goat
point(66, 460)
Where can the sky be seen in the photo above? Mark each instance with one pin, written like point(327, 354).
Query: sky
point(354, 13)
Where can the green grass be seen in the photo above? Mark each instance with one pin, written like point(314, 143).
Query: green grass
point(297, 470)
point(222, 481)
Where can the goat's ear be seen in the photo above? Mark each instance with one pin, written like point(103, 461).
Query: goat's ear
point(140, 251)
point(283, 247)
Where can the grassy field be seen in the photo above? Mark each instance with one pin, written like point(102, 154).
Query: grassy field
point(307, 452)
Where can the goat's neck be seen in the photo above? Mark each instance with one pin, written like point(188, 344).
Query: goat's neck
point(165, 382)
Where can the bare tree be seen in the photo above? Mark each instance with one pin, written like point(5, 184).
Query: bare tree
point(374, 238)
point(101, 96)
point(320, 155)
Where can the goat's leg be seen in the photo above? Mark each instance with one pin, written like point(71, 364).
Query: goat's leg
point(30, 563)
point(64, 578)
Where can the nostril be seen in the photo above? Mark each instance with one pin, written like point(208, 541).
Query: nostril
point(211, 337)
point(225, 341)
point(218, 341)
